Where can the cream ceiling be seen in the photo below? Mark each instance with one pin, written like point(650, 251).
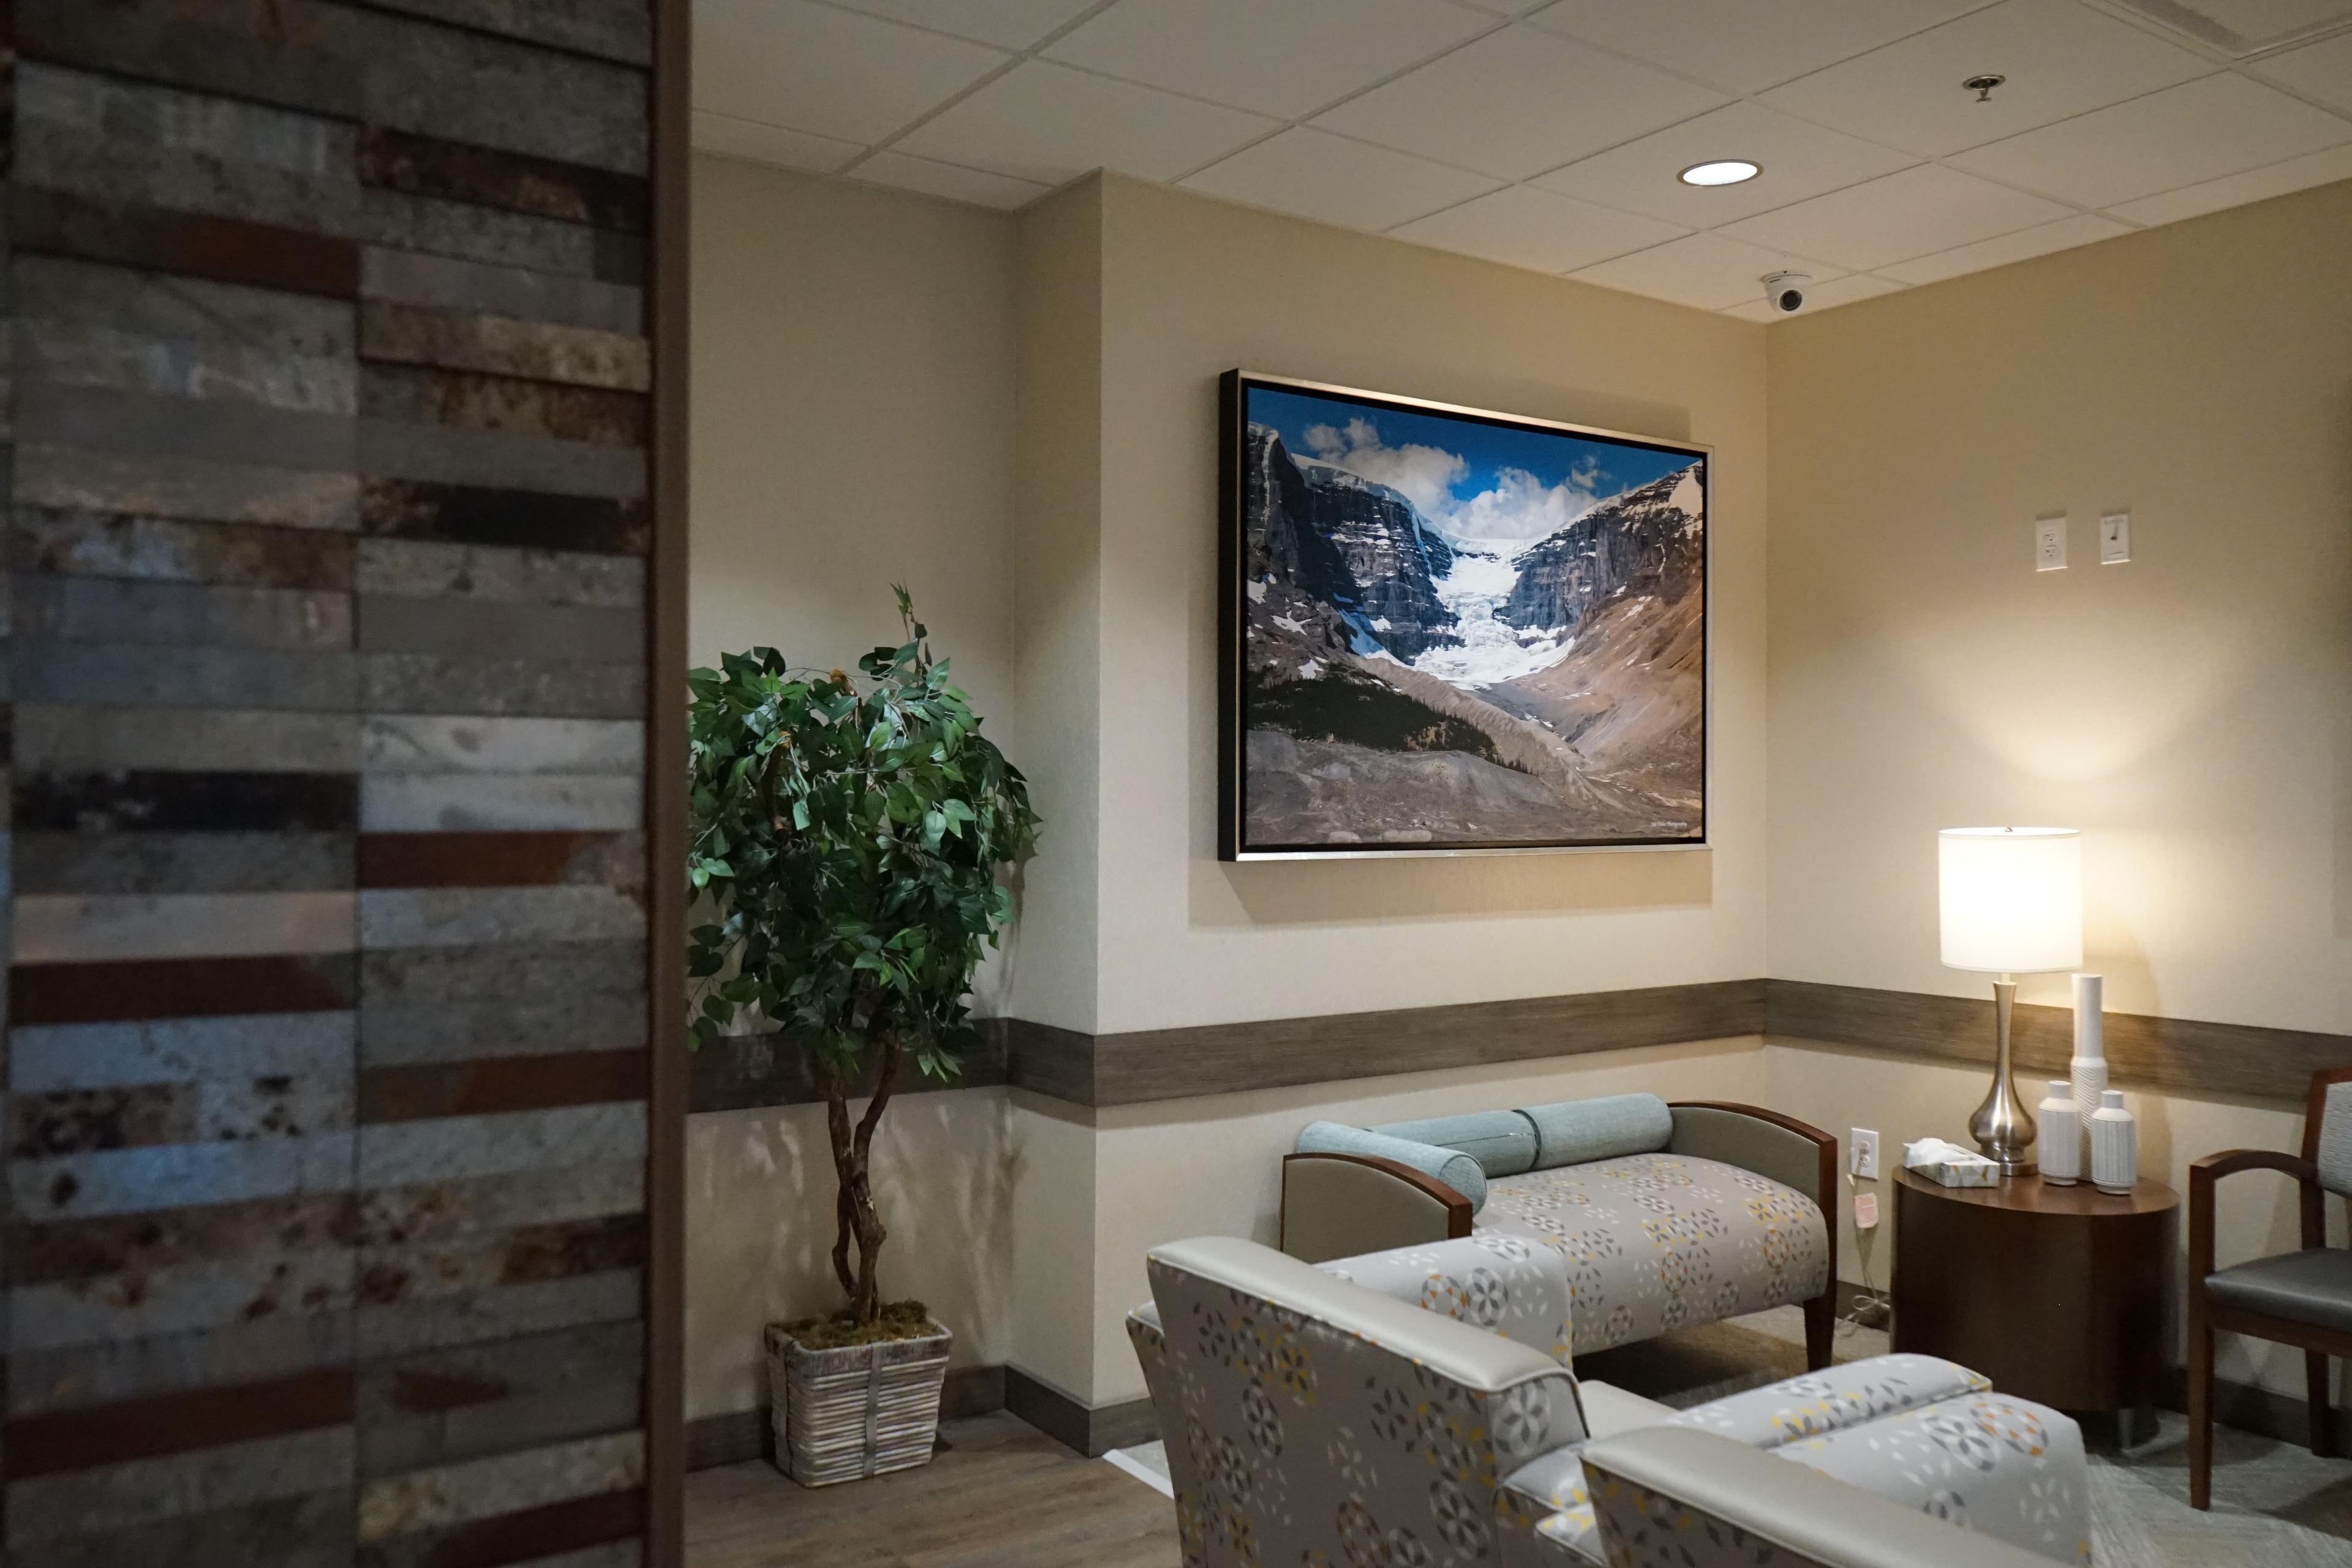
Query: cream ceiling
point(1548, 135)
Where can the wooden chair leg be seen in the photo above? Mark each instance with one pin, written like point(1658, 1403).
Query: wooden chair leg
point(2315, 1389)
point(1821, 1328)
point(2201, 1414)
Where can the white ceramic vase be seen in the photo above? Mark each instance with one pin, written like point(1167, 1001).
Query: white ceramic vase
point(2089, 1067)
point(2115, 1145)
point(2061, 1121)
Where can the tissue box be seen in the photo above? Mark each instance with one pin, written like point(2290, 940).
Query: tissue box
point(1972, 1173)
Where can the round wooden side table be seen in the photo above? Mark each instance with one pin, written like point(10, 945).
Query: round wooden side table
point(2057, 1294)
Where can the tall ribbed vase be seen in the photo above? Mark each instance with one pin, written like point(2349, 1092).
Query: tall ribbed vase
point(2061, 1121)
point(2089, 1067)
point(2115, 1145)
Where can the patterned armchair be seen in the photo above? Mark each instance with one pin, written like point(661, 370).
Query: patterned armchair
point(1667, 1215)
point(1410, 1408)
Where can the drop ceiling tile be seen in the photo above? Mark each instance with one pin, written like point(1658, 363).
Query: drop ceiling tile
point(1799, 160)
point(1310, 174)
point(1049, 123)
point(2236, 190)
point(1284, 58)
point(1923, 209)
point(827, 72)
point(1008, 24)
point(930, 178)
point(1517, 102)
point(1702, 269)
point(2322, 70)
point(1524, 227)
point(1745, 45)
point(2199, 130)
point(1820, 297)
point(2262, 21)
point(2043, 239)
point(2060, 59)
point(771, 143)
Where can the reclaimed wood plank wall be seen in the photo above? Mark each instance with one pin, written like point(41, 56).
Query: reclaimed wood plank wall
point(326, 1047)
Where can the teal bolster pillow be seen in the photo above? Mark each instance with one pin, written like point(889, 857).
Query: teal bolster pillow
point(1576, 1131)
point(1452, 1166)
point(1502, 1141)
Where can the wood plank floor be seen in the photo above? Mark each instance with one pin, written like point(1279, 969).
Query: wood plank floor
point(1000, 1494)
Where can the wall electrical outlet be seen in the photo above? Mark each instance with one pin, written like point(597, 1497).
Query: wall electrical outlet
point(2115, 539)
point(1864, 1158)
point(2050, 545)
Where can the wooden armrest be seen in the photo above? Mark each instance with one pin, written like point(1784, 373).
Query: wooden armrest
point(1342, 1205)
point(2204, 1174)
point(1820, 1181)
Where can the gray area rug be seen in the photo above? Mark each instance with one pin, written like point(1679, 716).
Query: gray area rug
point(2273, 1504)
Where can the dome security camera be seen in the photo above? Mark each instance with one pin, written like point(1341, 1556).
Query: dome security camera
point(1786, 290)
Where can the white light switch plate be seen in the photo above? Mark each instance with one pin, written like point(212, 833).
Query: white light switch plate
point(2114, 538)
point(2050, 545)
point(1865, 1145)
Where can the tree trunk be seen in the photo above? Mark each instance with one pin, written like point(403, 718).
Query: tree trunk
point(854, 1211)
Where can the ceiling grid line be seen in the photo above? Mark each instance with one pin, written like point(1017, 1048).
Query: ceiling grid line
point(1436, 122)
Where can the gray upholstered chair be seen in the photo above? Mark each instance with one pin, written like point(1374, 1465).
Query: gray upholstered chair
point(1409, 1407)
point(1668, 1216)
point(2301, 1298)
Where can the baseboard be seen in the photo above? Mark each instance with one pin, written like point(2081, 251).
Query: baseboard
point(732, 1437)
point(2251, 1408)
point(1093, 1431)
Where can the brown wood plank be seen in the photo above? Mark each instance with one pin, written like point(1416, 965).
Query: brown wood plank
point(178, 988)
point(172, 1424)
point(2184, 1054)
point(474, 859)
point(501, 1084)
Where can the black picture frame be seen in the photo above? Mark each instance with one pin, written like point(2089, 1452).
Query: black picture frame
point(1667, 828)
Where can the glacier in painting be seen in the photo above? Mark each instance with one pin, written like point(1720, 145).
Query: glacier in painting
point(1465, 633)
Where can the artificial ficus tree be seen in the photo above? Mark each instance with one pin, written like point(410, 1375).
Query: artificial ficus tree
point(850, 839)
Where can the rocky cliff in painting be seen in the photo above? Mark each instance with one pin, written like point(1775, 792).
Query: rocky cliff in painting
point(1404, 687)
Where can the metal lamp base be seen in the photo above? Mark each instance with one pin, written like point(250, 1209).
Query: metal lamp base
point(2001, 1126)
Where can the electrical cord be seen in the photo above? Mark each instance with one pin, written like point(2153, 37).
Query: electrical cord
point(1872, 1306)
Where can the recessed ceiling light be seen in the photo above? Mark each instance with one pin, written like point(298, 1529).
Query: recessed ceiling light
point(1719, 172)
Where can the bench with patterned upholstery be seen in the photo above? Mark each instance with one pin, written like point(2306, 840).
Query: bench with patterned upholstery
point(1665, 1215)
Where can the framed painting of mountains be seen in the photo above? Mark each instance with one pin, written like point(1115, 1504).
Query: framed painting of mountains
point(1446, 631)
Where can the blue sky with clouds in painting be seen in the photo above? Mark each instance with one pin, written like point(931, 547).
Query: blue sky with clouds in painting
point(1472, 479)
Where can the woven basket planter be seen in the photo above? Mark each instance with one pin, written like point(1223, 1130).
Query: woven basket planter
point(856, 1410)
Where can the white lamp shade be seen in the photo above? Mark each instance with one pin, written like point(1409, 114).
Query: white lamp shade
point(2012, 898)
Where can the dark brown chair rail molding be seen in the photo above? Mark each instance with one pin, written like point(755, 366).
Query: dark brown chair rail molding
point(1149, 1065)
point(2184, 1054)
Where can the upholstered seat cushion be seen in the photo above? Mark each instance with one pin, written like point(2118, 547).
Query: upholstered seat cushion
point(1653, 1242)
point(2313, 1287)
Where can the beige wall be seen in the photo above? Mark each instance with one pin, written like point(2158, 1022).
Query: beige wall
point(2192, 711)
point(855, 359)
point(1192, 288)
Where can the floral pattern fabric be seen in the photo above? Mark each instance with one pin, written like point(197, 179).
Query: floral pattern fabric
point(1296, 1440)
point(1654, 1242)
point(2003, 1468)
point(1641, 1528)
point(1505, 1284)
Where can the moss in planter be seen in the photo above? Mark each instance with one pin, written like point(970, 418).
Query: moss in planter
point(898, 1320)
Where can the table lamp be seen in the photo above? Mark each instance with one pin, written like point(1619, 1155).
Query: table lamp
point(2011, 904)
